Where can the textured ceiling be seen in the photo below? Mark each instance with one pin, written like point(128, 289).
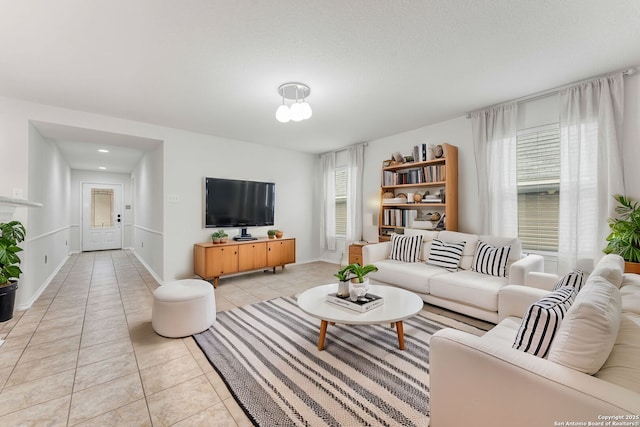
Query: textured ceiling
point(375, 68)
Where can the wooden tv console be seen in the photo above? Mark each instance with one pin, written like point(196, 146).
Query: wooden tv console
point(211, 261)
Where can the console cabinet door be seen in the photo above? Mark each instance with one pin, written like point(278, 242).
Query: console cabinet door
point(222, 260)
point(252, 256)
point(281, 252)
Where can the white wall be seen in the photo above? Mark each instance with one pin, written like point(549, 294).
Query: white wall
point(148, 217)
point(47, 245)
point(187, 164)
point(80, 176)
point(631, 136)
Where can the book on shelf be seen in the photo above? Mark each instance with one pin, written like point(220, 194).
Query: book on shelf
point(363, 304)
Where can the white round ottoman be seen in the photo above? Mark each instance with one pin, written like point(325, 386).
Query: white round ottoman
point(183, 308)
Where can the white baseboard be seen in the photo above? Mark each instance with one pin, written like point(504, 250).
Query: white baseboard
point(149, 269)
point(41, 289)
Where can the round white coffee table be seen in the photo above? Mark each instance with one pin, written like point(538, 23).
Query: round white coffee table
point(399, 304)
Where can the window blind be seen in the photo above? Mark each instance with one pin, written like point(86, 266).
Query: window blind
point(341, 201)
point(538, 177)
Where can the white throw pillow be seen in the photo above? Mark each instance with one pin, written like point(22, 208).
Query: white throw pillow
point(445, 255)
point(589, 330)
point(541, 322)
point(491, 260)
point(573, 279)
point(405, 248)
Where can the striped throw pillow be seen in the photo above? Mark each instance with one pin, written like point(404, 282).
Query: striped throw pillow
point(445, 255)
point(573, 279)
point(541, 322)
point(405, 248)
point(491, 260)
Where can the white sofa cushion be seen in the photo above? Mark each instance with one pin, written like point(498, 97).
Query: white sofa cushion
point(445, 255)
point(610, 267)
point(590, 327)
point(411, 276)
point(542, 320)
point(491, 260)
point(471, 241)
point(516, 245)
point(405, 248)
point(468, 287)
point(622, 367)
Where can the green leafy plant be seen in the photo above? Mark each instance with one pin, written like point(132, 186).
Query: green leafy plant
point(272, 232)
point(624, 239)
point(343, 274)
point(12, 233)
point(359, 271)
point(219, 234)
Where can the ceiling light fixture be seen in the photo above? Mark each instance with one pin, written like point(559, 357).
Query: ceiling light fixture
point(299, 109)
point(102, 168)
point(102, 150)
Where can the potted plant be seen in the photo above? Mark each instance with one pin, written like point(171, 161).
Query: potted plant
point(344, 277)
point(359, 284)
point(215, 237)
point(12, 233)
point(624, 239)
point(272, 233)
point(279, 234)
point(223, 236)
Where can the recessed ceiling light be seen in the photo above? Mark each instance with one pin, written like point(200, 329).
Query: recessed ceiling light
point(102, 150)
point(102, 167)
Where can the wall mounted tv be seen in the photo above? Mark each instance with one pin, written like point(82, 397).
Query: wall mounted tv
point(239, 203)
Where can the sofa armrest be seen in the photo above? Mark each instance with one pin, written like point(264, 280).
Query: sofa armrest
point(514, 300)
point(375, 252)
point(536, 279)
point(474, 382)
point(519, 269)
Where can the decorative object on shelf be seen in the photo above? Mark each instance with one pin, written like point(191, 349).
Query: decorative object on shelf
point(272, 233)
point(435, 216)
point(624, 239)
point(386, 163)
point(298, 110)
point(401, 196)
point(431, 152)
point(13, 232)
point(279, 234)
point(417, 198)
point(410, 198)
point(438, 152)
point(388, 195)
point(398, 157)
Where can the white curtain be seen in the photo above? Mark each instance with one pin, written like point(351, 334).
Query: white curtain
point(328, 217)
point(494, 143)
point(590, 168)
point(355, 165)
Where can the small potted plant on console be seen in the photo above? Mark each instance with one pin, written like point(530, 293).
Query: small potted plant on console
point(215, 237)
point(359, 284)
point(272, 234)
point(223, 236)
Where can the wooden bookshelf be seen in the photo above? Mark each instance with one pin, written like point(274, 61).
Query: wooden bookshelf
point(431, 175)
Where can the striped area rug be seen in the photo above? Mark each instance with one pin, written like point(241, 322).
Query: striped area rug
point(267, 354)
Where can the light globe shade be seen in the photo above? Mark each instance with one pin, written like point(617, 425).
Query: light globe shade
point(283, 115)
point(306, 110)
point(296, 112)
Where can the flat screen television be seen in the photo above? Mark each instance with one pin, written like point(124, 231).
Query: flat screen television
point(239, 203)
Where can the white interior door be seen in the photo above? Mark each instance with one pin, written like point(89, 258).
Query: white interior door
point(101, 216)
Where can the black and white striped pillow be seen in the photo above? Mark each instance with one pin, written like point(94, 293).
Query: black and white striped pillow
point(573, 279)
point(541, 322)
point(405, 248)
point(491, 260)
point(445, 255)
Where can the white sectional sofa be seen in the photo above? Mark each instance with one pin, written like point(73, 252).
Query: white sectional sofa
point(465, 291)
point(590, 376)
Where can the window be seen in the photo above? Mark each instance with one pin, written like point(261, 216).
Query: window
point(341, 201)
point(538, 177)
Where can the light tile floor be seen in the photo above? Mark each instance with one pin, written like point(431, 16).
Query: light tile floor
point(85, 353)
